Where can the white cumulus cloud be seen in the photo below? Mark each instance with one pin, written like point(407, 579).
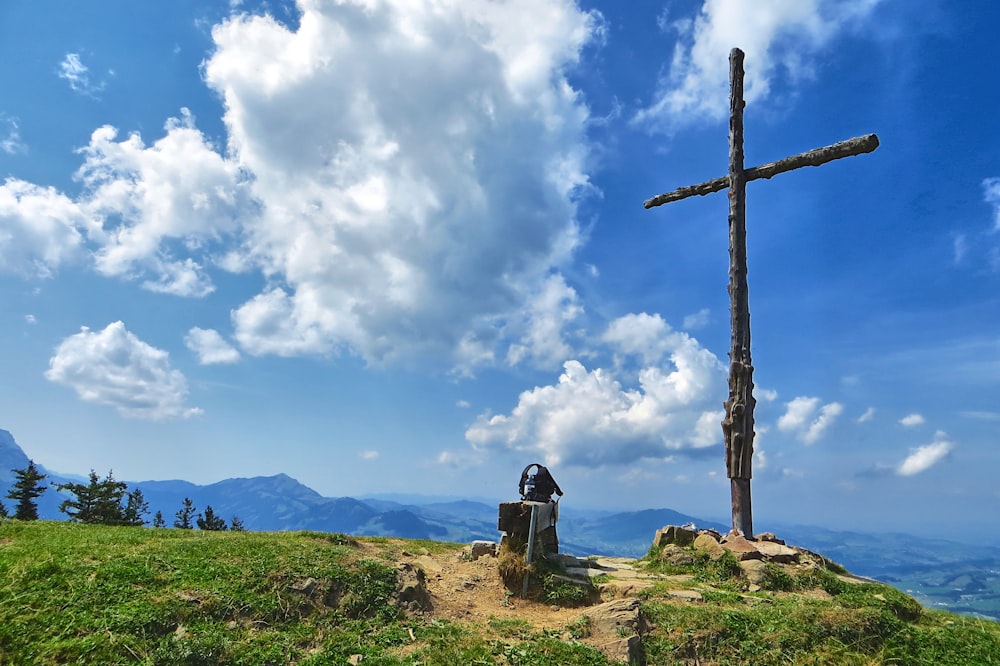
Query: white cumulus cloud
point(911, 420)
point(165, 206)
point(403, 175)
point(416, 167)
point(924, 457)
point(210, 346)
point(591, 417)
point(114, 367)
point(781, 39)
point(40, 229)
point(807, 419)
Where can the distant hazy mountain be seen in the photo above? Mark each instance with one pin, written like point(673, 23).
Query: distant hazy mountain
point(11, 457)
point(960, 577)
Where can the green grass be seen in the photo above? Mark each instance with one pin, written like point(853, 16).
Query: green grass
point(86, 594)
point(863, 624)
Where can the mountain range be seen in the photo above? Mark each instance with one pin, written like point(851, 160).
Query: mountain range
point(964, 578)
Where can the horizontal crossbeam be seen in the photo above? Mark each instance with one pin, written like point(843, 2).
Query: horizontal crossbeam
point(856, 146)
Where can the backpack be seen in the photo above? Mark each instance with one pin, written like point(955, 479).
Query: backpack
point(538, 487)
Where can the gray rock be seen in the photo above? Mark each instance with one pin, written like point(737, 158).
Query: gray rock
point(411, 587)
point(674, 534)
point(483, 548)
point(674, 554)
point(707, 543)
point(620, 623)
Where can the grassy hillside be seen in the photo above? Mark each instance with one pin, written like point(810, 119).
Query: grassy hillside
point(76, 594)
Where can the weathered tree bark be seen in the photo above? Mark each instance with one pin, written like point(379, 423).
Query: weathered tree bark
point(816, 157)
point(737, 427)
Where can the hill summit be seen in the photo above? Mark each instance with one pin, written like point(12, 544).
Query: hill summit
point(89, 594)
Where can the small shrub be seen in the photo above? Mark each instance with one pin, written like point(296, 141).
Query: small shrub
point(562, 592)
point(776, 578)
point(725, 570)
point(580, 627)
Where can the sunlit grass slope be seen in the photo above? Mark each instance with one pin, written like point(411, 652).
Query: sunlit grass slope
point(80, 594)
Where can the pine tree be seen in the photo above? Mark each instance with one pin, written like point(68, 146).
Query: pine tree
point(97, 502)
point(158, 520)
point(211, 522)
point(184, 515)
point(3, 511)
point(110, 494)
point(25, 490)
point(136, 507)
point(236, 525)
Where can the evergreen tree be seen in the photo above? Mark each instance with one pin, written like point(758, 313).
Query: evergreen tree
point(210, 521)
point(183, 517)
point(136, 507)
point(3, 511)
point(97, 502)
point(110, 495)
point(236, 525)
point(25, 490)
point(158, 520)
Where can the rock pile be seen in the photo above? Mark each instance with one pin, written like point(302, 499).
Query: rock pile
point(766, 547)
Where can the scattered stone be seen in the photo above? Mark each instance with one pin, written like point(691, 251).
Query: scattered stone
point(483, 548)
point(625, 650)
point(572, 581)
point(741, 547)
point(674, 554)
point(355, 659)
point(306, 586)
point(618, 626)
point(411, 587)
point(754, 570)
point(581, 572)
point(690, 595)
point(189, 597)
point(769, 536)
point(708, 543)
point(777, 552)
point(674, 534)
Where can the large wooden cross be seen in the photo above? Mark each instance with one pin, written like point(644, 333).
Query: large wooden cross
point(737, 427)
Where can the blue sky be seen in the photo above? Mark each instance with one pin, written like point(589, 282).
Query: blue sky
point(397, 246)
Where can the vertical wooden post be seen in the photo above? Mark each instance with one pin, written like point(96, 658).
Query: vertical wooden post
point(738, 425)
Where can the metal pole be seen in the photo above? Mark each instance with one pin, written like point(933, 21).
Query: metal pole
point(531, 548)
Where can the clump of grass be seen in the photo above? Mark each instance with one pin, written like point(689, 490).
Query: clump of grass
point(514, 627)
point(776, 578)
point(580, 627)
point(563, 593)
point(725, 570)
point(511, 564)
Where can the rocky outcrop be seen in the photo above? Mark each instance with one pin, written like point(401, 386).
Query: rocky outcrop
point(765, 547)
point(616, 627)
point(411, 588)
point(482, 548)
point(672, 534)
